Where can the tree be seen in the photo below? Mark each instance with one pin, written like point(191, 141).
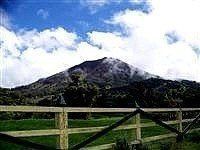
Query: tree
point(80, 93)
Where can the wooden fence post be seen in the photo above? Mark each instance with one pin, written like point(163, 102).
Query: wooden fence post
point(61, 122)
point(180, 119)
point(138, 127)
point(179, 144)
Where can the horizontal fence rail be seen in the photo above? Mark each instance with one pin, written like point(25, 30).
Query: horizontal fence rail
point(62, 130)
point(86, 109)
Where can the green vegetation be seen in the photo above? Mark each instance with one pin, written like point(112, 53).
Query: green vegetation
point(122, 144)
point(194, 137)
point(80, 93)
point(111, 137)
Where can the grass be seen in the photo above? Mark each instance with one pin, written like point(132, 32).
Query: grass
point(36, 124)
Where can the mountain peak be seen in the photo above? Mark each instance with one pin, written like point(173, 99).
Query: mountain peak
point(111, 59)
point(110, 70)
point(104, 71)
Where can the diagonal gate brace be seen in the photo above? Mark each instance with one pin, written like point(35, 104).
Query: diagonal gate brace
point(159, 122)
point(118, 123)
point(180, 136)
point(104, 131)
point(191, 124)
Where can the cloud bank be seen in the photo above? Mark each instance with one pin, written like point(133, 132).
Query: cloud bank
point(165, 42)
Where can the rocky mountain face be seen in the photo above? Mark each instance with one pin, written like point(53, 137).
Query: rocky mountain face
point(105, 71)
point(110, 71)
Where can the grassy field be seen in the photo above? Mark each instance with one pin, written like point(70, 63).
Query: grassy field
point(112, 136)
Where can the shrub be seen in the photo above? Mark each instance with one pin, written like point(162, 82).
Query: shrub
point(122, 144)
point(165, 146)
point(194, 137)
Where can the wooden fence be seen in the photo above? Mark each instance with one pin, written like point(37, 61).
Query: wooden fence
point(62, 130)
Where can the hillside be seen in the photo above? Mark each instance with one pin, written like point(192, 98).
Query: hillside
point(119, 83)
point(154, 93)
point(105, 71)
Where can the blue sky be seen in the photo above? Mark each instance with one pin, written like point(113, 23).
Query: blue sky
point(39, 38)
point(74, 15)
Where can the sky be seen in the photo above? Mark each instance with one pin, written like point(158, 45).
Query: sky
point(41, 38)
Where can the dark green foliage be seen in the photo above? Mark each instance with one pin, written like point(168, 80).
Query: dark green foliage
point(80, 93)
point(165, 146)
point(9, 97)
point(166, 93)
point(141, 147)
point(122, 144)
point(194, 137)
point(115, 97)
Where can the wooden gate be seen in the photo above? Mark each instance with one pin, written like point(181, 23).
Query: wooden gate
point(62, 130)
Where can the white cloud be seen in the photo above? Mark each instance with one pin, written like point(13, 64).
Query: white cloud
point(149, 43)
point(30, 55)
point(160, 42)
point(43, 13)
point(48, 39)
point(103, 40)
